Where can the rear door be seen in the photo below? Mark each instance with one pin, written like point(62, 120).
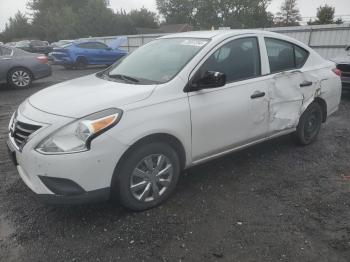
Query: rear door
point(87, 51)
point(237, 113)
point(5, 61)
point(289, 83)
point(105, 54)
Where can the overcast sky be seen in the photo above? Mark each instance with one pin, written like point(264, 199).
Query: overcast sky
point(307, 7)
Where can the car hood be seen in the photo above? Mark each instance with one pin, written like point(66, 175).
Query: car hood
point(86, 95)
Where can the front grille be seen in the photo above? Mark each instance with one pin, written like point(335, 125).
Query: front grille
point(21, 131)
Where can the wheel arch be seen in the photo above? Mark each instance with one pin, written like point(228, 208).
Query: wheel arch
point(78, 57)
point(171, 140)
point(322, 103)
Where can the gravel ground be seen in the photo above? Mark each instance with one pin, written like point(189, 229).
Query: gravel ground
point(272, 202)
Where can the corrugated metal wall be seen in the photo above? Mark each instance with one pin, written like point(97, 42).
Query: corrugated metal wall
point(328, 40)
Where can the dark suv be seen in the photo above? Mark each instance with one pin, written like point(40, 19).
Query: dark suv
point(343, 64)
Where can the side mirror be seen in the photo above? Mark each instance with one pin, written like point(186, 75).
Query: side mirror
point(210, 79)
point(109, 49)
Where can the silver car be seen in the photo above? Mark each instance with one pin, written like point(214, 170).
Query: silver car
point(19, 68)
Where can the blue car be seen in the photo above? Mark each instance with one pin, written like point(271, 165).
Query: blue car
point(81, 54)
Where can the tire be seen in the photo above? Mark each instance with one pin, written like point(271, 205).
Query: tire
point(309, 125)
point(20, 78)
point(81, 63)
point(136, 173)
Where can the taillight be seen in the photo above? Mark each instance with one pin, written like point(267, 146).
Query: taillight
point(43, 59)
point(336, 71)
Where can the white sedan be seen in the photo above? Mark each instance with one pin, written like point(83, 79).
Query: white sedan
point(181, 100)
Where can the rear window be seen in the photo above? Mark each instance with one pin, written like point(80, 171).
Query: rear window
point(22, 44)
point(38, 43)
point(284, 55)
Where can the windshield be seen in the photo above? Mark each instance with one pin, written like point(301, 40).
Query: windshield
point(157, 62)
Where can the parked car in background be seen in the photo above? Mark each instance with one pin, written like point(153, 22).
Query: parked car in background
point(343, 65)
point(19, 68)
point(34, 46)
point(10, 44)
point(81, 54)
point(178, 101)
point(61, 43)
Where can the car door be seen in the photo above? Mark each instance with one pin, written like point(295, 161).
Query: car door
point(5, 61)
point(237, 113)
point(103, 53)
point(87, 51)
point(290, 83)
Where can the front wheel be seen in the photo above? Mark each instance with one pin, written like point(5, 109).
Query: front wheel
point(147, 177)
point(309, 125)
point(19, 78)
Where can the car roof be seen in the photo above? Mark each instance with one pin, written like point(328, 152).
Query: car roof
point(222, 33)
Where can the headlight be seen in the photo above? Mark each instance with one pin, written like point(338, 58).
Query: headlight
point(12, 118)
point(76, 137)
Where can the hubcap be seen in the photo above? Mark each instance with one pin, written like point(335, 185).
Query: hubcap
point(151, 178)
point(20, 78)
point(311, 126)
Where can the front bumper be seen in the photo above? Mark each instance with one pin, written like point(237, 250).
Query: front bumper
point(89, 174)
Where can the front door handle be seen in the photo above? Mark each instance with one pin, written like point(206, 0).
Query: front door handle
point(306, 83)
point(257, 94)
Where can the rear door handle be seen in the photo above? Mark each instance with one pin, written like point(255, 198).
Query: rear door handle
point(6, 58)
point(306, 83)
point(257, 94)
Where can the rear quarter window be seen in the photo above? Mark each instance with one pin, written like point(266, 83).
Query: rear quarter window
point(284, 55)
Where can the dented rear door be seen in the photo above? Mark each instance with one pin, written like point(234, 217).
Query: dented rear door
point(286, 100)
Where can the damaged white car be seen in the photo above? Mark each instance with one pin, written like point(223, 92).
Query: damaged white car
point(181, 100)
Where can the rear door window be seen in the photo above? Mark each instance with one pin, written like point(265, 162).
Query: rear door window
point(92, 45)
point(284, 55)
point(100, 46)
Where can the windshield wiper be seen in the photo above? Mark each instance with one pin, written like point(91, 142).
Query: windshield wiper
point(124, 77)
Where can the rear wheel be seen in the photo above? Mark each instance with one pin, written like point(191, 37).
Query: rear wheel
point(309, 125)
point(19, 78)
point(81, 63)
point(147, 177)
